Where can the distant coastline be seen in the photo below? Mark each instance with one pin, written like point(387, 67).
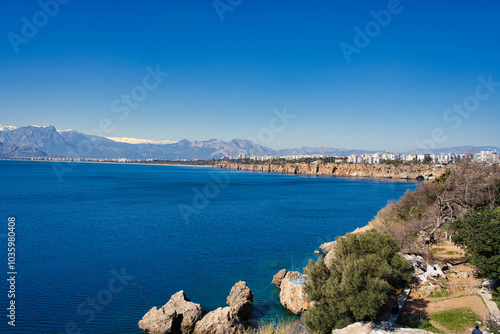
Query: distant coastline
point(371, 171)
point(378, 171)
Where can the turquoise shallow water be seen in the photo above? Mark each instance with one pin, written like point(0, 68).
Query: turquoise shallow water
point(98, 247)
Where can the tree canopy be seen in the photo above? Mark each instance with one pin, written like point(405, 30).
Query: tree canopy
point(365, 271)
point(479, 234)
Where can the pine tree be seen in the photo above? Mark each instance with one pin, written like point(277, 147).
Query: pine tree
point(364, 273)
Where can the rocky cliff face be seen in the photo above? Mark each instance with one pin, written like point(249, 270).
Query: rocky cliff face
point(423, 172)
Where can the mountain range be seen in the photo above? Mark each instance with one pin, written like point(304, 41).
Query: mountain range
point(46, 141)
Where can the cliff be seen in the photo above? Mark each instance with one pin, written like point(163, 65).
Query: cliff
point(423, 172)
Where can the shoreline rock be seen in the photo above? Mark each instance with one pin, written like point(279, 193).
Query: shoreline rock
point(220, 321)
point(292, 296)
point(279, 277)
point(178, 315)
point(378, 171)
point(181, 315)
point(327, 246)
point(241, 299)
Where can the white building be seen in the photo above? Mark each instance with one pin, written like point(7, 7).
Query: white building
point(488, 156)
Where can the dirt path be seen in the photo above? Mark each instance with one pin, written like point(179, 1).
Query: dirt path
point(474, 303)
point(462, 290)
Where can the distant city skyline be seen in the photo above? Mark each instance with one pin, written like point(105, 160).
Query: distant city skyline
point(383, 75)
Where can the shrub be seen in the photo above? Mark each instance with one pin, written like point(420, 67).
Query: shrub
point(364, 273)
point(479, 234)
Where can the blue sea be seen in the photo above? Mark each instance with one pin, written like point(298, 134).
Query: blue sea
point(98, 245)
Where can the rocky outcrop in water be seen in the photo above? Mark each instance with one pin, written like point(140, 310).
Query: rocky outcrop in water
point(221, 321)
point(179, 315)
point(327, 246)
point(278, 278)
point(422, 172)
point(292, 296)
point(241, 298)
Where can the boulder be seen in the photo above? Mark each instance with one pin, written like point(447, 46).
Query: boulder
point(317, 252)
point(435, 271)
point(179, 315)
point(221, 321)
point(328, 259)
point(160, 321)
point(240, 298)
point(459, 274)
point(292, 295)
point(327, 246)
point(427, 290)
point(279, 277)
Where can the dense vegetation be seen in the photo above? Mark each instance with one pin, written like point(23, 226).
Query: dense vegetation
point(365, 271)
point(478, 233)
point(414, 220)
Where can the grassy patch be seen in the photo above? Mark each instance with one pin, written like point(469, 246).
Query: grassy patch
point(438, 294)
point(420, 324)
point(450, 253)
point(456, 320)
point(437, 250)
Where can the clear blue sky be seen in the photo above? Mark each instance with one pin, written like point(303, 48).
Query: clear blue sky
point(226, 76)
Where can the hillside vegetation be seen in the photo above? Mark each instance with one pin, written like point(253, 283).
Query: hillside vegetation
point(367, 270)
point(414, 220)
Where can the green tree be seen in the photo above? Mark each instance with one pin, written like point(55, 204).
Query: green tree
point(366, 270)
point(479, 234)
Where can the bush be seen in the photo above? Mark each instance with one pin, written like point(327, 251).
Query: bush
point(363, 274)
point(479, 234)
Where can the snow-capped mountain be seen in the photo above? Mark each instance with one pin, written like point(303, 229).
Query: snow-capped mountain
point(7, 127)
point(140, 141)
point(47, 141)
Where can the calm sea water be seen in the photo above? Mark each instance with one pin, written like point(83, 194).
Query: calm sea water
point(98, 247)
